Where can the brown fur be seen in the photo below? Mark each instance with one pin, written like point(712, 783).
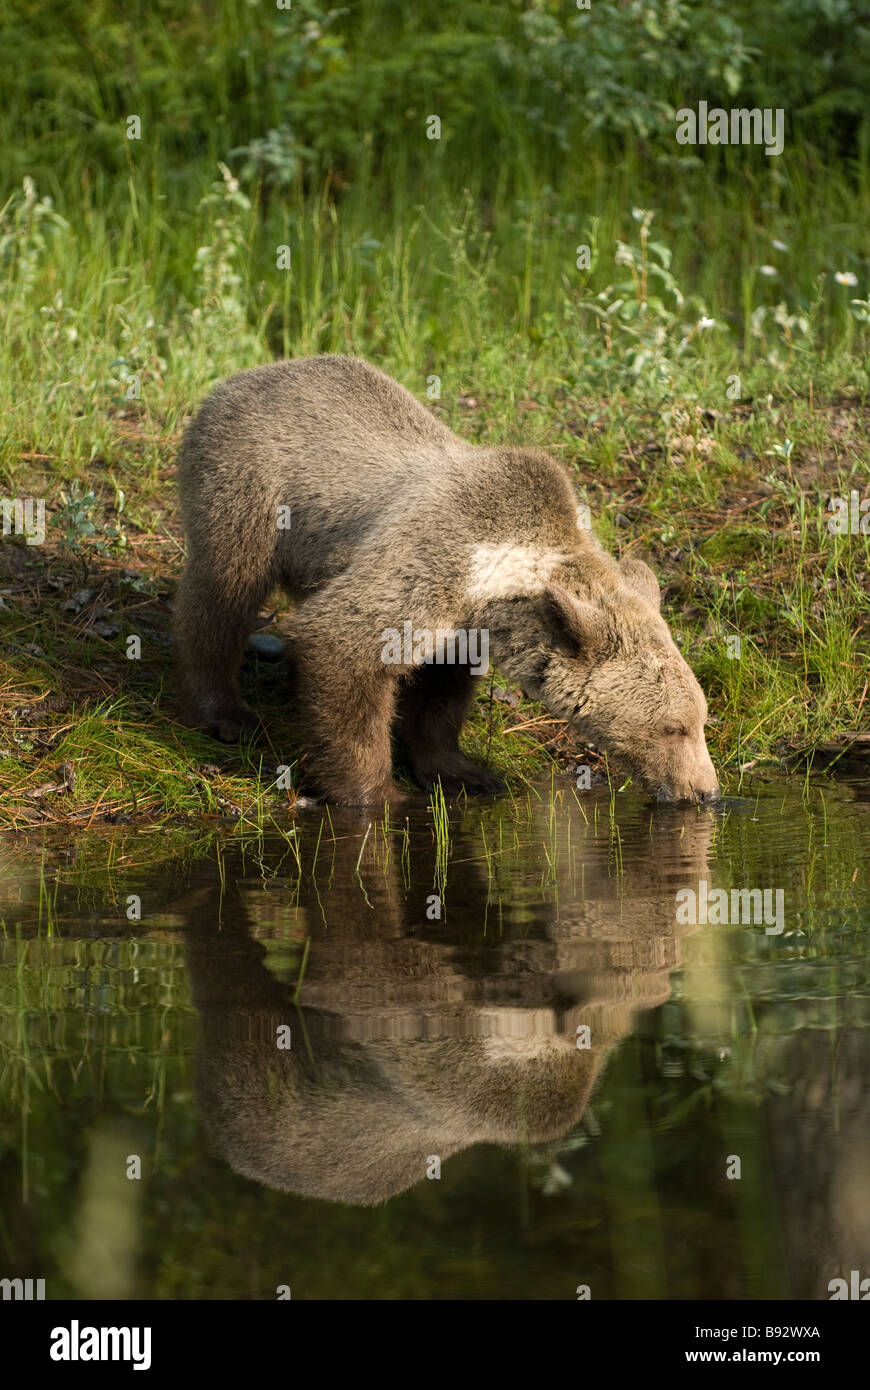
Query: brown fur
point(394, 519)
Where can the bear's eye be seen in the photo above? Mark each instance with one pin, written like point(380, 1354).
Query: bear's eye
point(677, 729)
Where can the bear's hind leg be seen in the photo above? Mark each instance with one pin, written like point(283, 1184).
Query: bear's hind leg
point(214, 616)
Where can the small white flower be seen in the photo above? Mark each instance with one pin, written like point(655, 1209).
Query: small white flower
point(706, 323)
point(779, 246)
point(845, 277)
point(768, 270)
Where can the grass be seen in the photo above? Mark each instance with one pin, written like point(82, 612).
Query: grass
point(711, 450)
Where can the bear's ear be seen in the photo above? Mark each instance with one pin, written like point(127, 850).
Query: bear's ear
point(640, 577)
point(572, 624)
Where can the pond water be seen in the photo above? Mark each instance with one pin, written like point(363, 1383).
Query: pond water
point(490, 1055)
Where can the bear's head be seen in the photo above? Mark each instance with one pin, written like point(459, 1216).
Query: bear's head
point(612, 670)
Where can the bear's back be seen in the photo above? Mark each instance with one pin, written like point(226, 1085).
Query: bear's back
point(325, 403)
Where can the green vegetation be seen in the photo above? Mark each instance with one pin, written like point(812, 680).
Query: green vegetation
point(706, 373)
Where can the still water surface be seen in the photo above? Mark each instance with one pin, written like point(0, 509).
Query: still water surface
point(559, 1082)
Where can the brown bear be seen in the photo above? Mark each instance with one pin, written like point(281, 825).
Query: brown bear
point(413, 558)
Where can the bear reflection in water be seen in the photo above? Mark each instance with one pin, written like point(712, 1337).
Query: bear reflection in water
point(412, 1038)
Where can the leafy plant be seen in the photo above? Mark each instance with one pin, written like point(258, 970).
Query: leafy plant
point(27, 224)
point(276, 158)
point(80, 525)
point(644, 317)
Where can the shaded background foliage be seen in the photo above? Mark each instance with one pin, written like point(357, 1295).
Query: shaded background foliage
point(217, 77)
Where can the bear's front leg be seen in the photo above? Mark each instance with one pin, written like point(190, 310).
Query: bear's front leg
point(346, 712)
point(432, 708)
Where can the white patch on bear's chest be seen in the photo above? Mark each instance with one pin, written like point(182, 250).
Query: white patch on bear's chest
point(497, 571)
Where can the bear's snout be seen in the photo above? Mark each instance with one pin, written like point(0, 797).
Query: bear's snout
point(704, 796)
point(693, 780)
